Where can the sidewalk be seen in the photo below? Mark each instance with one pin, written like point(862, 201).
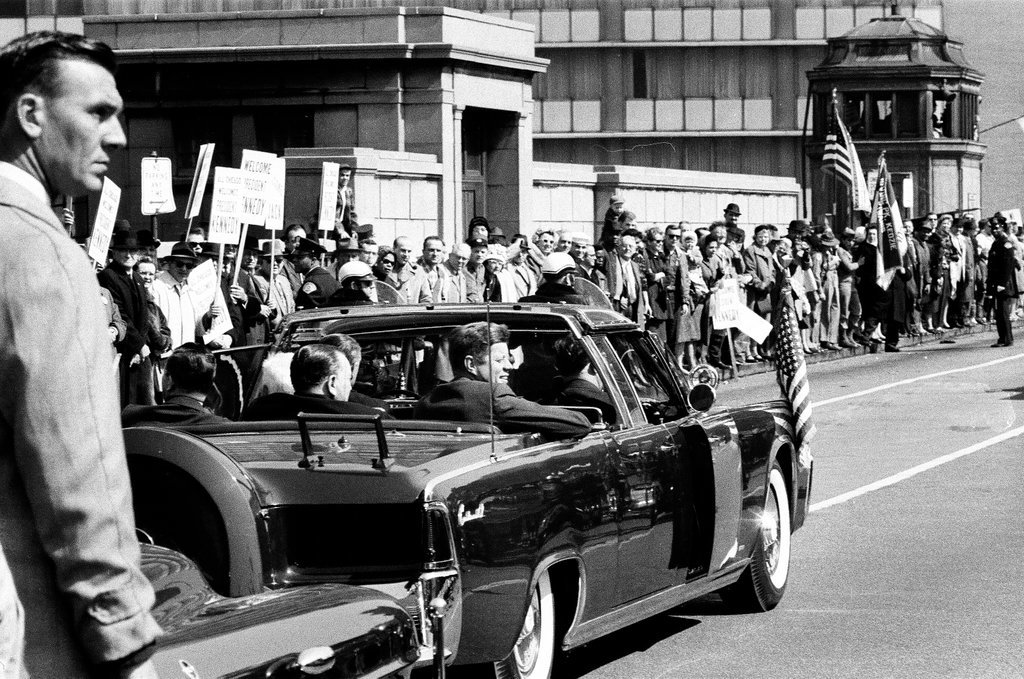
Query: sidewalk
point(825, 355)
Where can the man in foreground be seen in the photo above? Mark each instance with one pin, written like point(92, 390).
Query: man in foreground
point(480, 393)
point(66, 524)
point(189, 374)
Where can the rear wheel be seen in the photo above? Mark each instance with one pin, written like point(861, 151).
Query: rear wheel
point(534, 652)
point(762, 585)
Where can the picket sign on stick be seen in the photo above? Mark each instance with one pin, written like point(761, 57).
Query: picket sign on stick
point(199, 179)
point(103, 227)
point(328, 195)
point(226, 205)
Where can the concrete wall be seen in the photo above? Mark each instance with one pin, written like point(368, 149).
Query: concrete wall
point(575, 197)
point(399, 193)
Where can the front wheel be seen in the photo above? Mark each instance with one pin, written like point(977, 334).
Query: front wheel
point(762, 585)
point(534, 652)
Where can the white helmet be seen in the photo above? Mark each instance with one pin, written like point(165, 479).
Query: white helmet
point(558, 263)
point(355, 269)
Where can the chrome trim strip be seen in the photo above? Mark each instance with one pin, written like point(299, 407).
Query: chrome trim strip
point(641, 609)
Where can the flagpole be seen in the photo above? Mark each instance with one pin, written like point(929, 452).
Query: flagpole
point(835, 188)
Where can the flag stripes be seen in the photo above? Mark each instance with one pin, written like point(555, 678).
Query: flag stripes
point(791, 372)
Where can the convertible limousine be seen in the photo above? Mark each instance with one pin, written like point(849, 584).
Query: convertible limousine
point(527, 545)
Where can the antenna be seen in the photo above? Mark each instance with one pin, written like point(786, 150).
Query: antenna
point(490, 371)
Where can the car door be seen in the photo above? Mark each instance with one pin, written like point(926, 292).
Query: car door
point(642, 450)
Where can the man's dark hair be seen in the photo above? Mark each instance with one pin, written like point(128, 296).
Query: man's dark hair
point(314, 363)
point(30, 62)
point(474, 339)
point(571, 356)
point(191, 368)
point(196, 231)
point(432, 238)
point(625, 215)
point(635, 233)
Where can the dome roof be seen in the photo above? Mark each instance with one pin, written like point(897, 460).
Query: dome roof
point(894, 27)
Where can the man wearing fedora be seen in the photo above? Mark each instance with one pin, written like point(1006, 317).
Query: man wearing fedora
point(280, 295)
point(130, 297)
point(175, 297)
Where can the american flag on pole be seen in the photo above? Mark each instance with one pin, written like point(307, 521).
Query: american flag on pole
point(841, 159)
point(791, 371)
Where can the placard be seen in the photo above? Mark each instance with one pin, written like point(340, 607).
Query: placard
point(204, 281)
point(328, 196)
point(725, 304)
point(199, 179)
point(226, 205)
point(275, 196)
point(258, 167)
point(157, 190)
point(106, 215)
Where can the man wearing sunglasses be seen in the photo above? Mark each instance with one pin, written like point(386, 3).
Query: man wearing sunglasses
point(174, 296)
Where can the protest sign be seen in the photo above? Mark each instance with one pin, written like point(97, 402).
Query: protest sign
point(202, 174)
point(106, 214)
point(226, 205)
point(725, 304)
point(204, 281)
point(275, 196)
point(258, 167)
point(328, 196)
point(157, 191)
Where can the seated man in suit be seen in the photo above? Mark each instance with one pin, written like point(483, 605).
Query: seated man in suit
point(480, 392)
point(576, 383)
point(322, 379)
point(188, 383)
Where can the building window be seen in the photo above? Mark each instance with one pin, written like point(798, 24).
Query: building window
point(880, 120)
point(193, 128)
point(908, 118)
point(853, 113)
point(639, 74)
point(278, 128)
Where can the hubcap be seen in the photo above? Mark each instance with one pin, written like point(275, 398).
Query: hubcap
point(528, 645)
point(770, 532)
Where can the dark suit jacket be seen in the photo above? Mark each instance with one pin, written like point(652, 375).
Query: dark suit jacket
point(130, 298)
point(1002, 268)
point(281, 406)
point(175, 410)
point(466, 400)
point(579, 392)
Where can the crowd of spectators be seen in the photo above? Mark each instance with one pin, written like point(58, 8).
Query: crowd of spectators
point(662, 277)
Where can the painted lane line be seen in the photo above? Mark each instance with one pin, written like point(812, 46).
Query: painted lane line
point(914, 471)
point(883, 387)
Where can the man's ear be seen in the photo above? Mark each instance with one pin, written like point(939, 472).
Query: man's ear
point(30, 109)
point(331, 386)
point(470, 365)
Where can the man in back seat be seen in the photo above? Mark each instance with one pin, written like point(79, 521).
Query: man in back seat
point(322, 378)
point(480, 392)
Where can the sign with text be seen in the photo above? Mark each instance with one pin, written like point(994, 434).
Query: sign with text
point(226, 205)
point(157, 191)
point(275, 196)
point(725, 304)
point(198, 190)
point(328, 196)
point(258, 167)
point(103, 227)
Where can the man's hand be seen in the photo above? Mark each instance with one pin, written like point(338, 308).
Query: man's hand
point(238, 294)
point(113, 334)
point(658, 276)
point(266, 311)
point(144, 352)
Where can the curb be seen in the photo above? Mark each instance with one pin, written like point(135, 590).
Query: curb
point(746, 369)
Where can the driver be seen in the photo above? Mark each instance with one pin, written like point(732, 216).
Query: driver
point(480, 392)
point(356, 286)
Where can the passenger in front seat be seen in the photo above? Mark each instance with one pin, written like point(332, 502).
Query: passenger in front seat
point(480, 392)
point(576, 383)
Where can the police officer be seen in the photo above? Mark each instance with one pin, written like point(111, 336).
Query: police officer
point(357, 285)
point(317, 283)
point(558, 269)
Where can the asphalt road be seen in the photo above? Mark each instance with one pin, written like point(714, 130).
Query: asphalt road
point(909, 565)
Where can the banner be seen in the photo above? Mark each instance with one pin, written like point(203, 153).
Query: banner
point(892, 237)
point(257, 167)
point(157, 191)
point(204, 281)
point(106, 215)
point(199, 179)
point(226, 205)
point(328, 196)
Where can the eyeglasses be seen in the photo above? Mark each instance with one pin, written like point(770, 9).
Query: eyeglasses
point(388, 262)
point(672, 236)
point(188, 266)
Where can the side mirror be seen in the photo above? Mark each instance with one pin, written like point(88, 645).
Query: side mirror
point(701, 397)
